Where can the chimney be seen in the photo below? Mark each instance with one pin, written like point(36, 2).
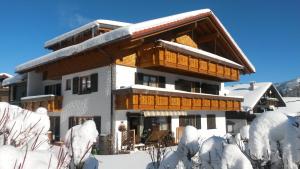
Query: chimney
point(252, 85)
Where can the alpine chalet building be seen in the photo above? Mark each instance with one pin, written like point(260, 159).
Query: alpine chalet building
point(148, 78)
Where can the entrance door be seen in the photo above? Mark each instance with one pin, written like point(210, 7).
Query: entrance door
point(136, 123)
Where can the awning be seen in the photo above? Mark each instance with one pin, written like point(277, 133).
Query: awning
point(164, 113)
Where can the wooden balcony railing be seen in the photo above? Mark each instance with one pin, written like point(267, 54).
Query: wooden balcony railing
point(50, 102)
point(178, 62)
point(141, 99)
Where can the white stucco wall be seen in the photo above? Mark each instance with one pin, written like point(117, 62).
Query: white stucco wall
point(93, 104)
point(34, 84)
point(125, 77)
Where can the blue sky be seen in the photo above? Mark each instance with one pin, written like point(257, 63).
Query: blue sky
point(267, 31)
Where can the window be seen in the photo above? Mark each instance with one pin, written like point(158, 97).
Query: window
point(53, 89)
point(187, 86)
point(73, 121)
point(68, 84)
point(210, 89)
point(211, 121)
point(190, 120)
point(150, 80)
point(230, 127)
point(85, 84)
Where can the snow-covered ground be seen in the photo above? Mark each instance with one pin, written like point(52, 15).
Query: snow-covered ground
point(271, 141)
point(135, 160)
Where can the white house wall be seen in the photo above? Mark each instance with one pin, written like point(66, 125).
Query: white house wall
point(125, 77)
point(93, 104)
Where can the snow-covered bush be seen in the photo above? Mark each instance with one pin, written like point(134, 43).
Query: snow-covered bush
point(233, 158)
point(211, 151)
point(291, 147)
point(244, 132)
point(79, 141)
point(27, 126)
point(266, 132)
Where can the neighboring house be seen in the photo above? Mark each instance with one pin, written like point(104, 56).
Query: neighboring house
point(150, 77)
point(17, 88)
point(258, 98)
point(292, 106)
point(4, 90)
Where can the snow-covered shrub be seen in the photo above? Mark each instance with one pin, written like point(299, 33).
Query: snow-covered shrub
point(27, 125)
point(233, 158)
point(211, 151)
point(240, 143)
point(244, 132)
point(171, 160)
point(266, 131)
point(79, 140)
point(291, 147)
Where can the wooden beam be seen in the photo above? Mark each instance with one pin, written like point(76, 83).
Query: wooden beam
point(208, 38)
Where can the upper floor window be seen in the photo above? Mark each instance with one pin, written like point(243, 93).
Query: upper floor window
point(187, 86)
point(85, 84)
point(210, 88)
point(150, 80)
point(53, 89)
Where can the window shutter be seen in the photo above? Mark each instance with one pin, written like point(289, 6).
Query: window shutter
point(97, 120)
point(94, 82)
point(71, 122)
point(139, 78)
point(161, 82)
point(75, 85)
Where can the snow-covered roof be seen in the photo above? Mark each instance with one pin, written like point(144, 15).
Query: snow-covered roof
point(38, 97)
point(251, 97)
point(199, 53)
point(5, 75)
point(14, 79)
point(292, 106)
point(97, 23)
point(134, 31)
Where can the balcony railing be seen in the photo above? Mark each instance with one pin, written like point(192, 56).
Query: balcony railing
point(51, 102)
point(180, 62)
point(143, 99)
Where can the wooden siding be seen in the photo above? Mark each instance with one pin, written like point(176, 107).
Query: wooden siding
point(52, 105)
point(160, 57)
point(158, 100)
point(77, 63)
point(186, 40)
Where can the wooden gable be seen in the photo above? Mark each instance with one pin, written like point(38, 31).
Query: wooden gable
point(186, 40)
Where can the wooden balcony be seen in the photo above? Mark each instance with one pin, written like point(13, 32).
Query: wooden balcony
point(142, 99)
point(179, 62)
point(50, 102)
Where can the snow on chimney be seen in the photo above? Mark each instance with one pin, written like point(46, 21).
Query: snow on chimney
point(252, 85)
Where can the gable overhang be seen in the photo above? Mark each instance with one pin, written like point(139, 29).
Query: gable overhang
point(248, 66)
point(126, 34)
